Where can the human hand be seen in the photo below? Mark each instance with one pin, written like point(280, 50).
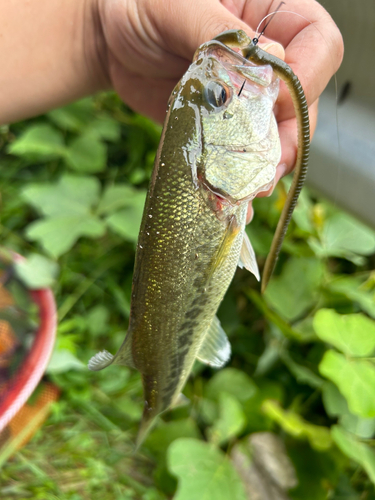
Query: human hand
point(151, 43)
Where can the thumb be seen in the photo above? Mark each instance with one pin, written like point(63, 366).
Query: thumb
point(183, 26)
point(274, 48)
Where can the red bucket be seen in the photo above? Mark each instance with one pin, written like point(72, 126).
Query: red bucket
point(27, 336)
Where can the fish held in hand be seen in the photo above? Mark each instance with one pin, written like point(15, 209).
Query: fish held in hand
point(219, 148)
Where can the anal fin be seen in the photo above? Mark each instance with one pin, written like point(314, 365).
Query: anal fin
point(215, 350)
point(247, 257)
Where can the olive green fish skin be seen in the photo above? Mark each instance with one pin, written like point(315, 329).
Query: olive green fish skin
point(173, 301)
point(193, 223)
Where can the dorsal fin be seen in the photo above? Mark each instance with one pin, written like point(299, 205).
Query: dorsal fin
point(215, 350)
point(247, 257)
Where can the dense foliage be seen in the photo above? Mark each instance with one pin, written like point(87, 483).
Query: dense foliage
point(292, 415)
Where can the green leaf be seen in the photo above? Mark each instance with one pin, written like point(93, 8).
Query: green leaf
point(345, 490)
point(115, 385)
point(152, 129)
point(363, 428)
point(68, 204)
point(295, 290)
point(158, 442)
point(317, 471)
point(36, 271)
point(233, 382)
point(257, 421)
point(355, 380)
point(126, 223)
point(104, 127)
point(39, 143)
point(82, 117)
point(58, 234)
point(292, 423)
point(302, 215)
point(231, 420)
point(302, 374)
point(267, 360)
point(119, 196)
point(260, 237)
point(63, 360)
point(355, 450)
point(75, 117)
point(71, 195)
point(353, 334)
point(270, 314)
point(344, 236)
point(97, 320)
point(336, 406)
point(356, 289)
point(203, 471)
point(334, 402)
point(160, 438)
point(86, 154)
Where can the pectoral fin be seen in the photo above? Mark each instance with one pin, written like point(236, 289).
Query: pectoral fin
point(215, 350)
point(181, 400)
point(225, 246)
point(247, 257)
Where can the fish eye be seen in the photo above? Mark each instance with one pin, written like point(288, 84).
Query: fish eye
point(216, 94)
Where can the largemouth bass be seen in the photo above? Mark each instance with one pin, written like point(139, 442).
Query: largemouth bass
point(219, 148)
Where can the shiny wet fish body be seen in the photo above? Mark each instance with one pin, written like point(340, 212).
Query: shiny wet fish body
point(218, 150)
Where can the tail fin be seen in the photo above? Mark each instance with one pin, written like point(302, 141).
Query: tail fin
point(100, 361)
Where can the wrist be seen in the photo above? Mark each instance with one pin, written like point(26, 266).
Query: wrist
point(52, 53)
